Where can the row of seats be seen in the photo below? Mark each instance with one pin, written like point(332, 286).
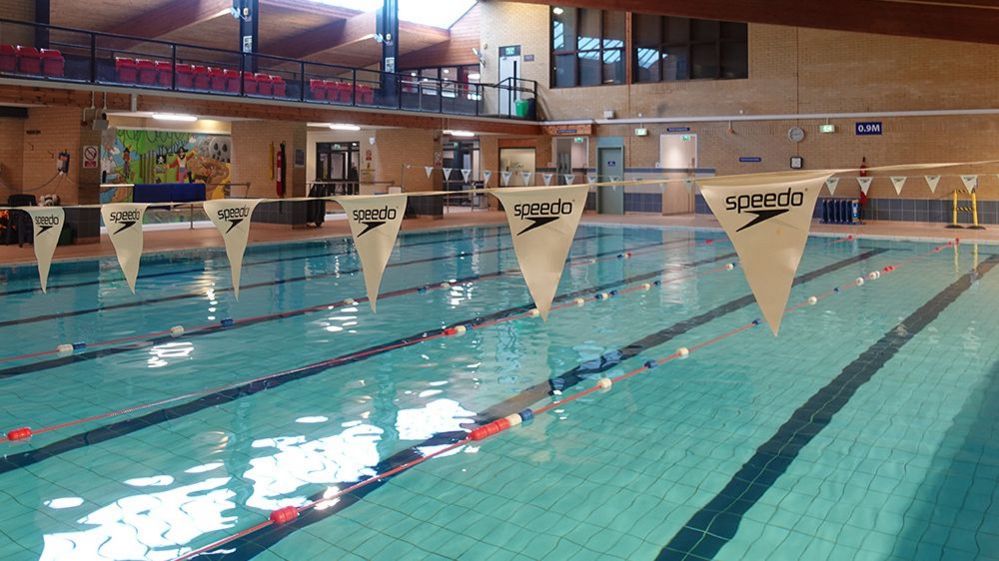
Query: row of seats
point(340, 92)
point(197, 77)
point(29, 60)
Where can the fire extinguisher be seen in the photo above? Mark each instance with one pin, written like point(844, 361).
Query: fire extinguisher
point(279, 170)
point(863, 195)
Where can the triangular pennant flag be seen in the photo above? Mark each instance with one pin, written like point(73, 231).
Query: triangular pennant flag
point(526, 177)
point(569, 178)
point(447, 173)
point(429, 170)
point(124, 224)
point(486, 175)
point(374, 223)
point(970, 182)
point(232, 218)
point(543, 223)
point(591, 178)
point(767, 218)
point(898, 182)
point(865, 183)
point(831, 184)
point(932, 181)
point(48, 222)
point(465, 174)
point(505, 177)
point(547, 177)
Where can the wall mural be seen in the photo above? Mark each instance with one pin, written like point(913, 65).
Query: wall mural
point(147, 156)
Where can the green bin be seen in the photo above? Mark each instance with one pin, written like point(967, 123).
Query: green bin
point(523, 108)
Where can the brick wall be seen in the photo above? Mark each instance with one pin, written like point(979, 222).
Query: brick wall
point(11, 157)
point(19, 10)
point(47, 131)
point(455, 51)
point(252, 162)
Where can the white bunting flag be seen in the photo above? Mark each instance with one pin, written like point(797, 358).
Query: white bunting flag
point(592, 178)
point(768, 219)
point(898, 182)
point(465, 174)
point(429, 170)
point(374, 223)
point(831, 184)
point(932, 181)
point(486, 175)
point(865, 183)
point(124, 225)
point(970, 182)
point(569, 178)
point(543, 223)
point(505, 177)
point(48, 222)
point(447, 173)
point(232, 218)
point(526, 176)
point(547, 177)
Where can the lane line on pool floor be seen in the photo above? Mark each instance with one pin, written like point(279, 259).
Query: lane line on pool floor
point(145, 340)
point(288, 519)
point(208, 398)
point(350, 252)
point(717, 522)
point(245, 287)
point(412, 456)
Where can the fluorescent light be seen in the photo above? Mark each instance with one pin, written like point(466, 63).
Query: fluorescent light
point(558, 11)
point(175, 117)
point(460, 133)
point(344, 127)
point(474, 76)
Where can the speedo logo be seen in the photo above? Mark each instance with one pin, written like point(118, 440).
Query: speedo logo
point(126, 218)
point(541, 213)
point(373, 217)
point(234, 216)
point(46, 223)
point(764, 205)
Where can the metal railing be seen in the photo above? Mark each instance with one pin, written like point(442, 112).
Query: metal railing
point(90, 57)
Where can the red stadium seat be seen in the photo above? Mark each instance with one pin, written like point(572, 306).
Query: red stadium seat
point(339, 92)
point(217, 79)
point(8, 58)
point(265, 86)
point(231, 80)
point(128, 72)
point(147, 71)
point(164, 73)
point(365, 95)
point(317, 89)
point(53, 63)
point(249, 83)
point(185, 76)
point(29, 60)
point(280, 87)
point(202, 81)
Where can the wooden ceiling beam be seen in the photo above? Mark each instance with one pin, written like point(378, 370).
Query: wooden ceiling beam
point(171, 17)
point(973, 21)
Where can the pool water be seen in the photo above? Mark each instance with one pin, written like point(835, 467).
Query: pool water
point(867, 430)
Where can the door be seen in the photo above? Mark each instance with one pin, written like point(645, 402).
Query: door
point(678, 158)
point(610, 167)
point(509, 74)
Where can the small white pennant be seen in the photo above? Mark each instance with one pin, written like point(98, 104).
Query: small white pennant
point(465, 174)
point(932, 181)
point(898, 182)
point(429, 170)
point(447, 173)
point(547, 177)
point(526, 177)
point(865, 183)
point(831, 184)
point(970, 182)
point(569, 178)
point(486, 175)
point(505, 177)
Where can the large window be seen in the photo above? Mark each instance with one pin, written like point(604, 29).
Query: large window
point(671, 48)
point(588, 47)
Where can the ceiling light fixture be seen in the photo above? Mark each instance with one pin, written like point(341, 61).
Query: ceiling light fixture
point(466, 134)
point(177, 117)
point(344, 127)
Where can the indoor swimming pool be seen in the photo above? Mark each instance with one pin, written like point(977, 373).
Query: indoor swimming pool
point(866, 431)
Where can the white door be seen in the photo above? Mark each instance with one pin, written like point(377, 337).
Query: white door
point(509, 73)
point(678, 158)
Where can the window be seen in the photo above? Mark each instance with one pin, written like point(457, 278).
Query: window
point(671, 48)
point(588, 47)
point(427, 80)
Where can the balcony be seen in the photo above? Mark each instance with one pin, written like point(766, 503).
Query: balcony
point(77, 56)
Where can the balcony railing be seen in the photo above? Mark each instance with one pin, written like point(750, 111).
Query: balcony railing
point(60, 54)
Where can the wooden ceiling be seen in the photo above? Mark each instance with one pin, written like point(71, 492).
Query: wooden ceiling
point(292, 28)
point(959, 20)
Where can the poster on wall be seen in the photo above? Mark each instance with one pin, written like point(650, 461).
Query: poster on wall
point(150, 157)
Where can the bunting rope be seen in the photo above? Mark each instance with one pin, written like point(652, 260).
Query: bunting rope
point(288, 514)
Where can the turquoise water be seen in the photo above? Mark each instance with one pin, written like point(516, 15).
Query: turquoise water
point(903, 466)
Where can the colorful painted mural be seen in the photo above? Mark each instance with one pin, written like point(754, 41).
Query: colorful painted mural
point(148, 156)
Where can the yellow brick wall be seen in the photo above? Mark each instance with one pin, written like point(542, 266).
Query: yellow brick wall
point(251, 156)
point(11, 153)
point(47, 131)
point(399, 156)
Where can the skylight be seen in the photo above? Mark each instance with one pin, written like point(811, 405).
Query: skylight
point(436, 13)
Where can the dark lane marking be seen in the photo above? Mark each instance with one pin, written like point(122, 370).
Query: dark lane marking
point(143, 344)
point(249, 545)
point(703, 536)
point(245, 287)
point(175, 272)
point(609, 360)
point(14, 461)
